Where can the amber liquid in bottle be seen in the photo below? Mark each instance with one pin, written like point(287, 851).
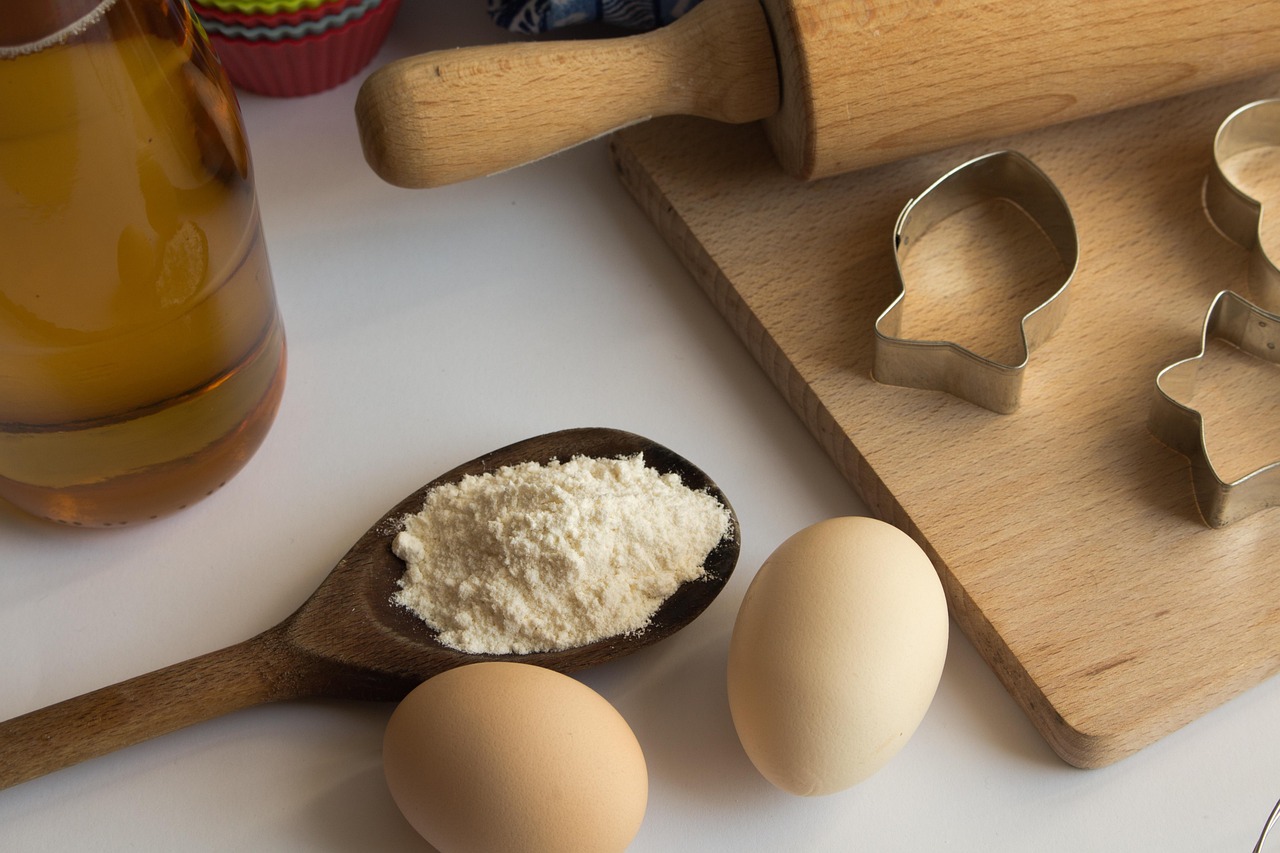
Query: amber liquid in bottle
point(141, 351)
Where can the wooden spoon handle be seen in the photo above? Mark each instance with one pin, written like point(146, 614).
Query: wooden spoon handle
point(453, 115)
point(132, 711)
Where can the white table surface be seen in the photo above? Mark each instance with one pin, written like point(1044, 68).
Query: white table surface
point(426, 327)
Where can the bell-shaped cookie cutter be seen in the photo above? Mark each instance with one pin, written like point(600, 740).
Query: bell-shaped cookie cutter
point(1235, 213)
point(945, 365)
point(1255, 331)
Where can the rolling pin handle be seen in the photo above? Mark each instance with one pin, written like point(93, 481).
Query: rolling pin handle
point(449, 116)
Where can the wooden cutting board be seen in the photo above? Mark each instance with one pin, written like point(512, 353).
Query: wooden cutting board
point(1066, 536)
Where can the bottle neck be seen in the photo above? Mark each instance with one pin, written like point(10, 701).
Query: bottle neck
point(29, 21)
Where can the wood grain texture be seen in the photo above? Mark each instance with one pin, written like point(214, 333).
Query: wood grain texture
point(453, 115)
point(349, 640)
point(1066, 536)
point(873, 82)
point(861, 83)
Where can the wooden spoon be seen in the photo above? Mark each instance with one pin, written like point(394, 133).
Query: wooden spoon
point(348, 640)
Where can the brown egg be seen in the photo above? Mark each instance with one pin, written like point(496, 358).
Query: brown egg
point(836, 654)
point(508, 756)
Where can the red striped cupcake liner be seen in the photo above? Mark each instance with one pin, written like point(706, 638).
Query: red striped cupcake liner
point(292, 67)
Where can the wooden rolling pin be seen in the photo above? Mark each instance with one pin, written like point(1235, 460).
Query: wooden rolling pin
point(840, 84)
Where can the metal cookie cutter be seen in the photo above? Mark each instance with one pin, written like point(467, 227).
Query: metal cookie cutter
point(947, 366)
point(1233, 319)
point(1232, 211)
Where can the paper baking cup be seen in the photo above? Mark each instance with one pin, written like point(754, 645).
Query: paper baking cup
point(212, 16)
point(288, 67)
point(263, 6)
point(300, 30)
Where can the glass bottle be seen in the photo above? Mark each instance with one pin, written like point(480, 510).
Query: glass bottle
point(142, 358)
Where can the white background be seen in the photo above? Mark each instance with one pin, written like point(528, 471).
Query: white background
point(426, 327)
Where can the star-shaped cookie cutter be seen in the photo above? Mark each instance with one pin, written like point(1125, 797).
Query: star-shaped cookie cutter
point(945, 365)
point(1235, 213)
point(1254, 331)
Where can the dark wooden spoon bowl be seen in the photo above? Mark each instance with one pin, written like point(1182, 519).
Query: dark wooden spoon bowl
point(348, 640)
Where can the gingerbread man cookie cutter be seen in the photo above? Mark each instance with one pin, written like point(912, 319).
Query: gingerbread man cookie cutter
point(945, 365)
point(1235, 213)
point(1254, 331)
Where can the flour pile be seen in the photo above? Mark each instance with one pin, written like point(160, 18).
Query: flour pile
point(536, 557)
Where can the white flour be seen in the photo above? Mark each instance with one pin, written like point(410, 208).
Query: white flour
point(544, 557)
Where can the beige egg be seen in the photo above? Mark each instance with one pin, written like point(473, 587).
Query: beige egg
point(496, 757)
point(836, 654)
